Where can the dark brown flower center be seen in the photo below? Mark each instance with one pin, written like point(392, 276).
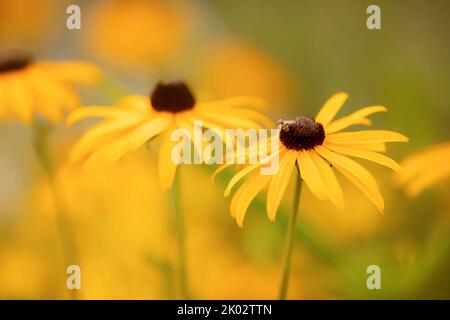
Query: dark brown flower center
point(12, 61)
point(173, 96)
point(301, 134)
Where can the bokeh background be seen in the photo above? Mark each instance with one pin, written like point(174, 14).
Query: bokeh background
point(294, 54)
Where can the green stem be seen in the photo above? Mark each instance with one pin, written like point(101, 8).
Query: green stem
point(181, 236)
point(41, 148)
point(290, 239)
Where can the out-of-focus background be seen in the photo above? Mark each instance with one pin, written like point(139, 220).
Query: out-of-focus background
point(294, 54)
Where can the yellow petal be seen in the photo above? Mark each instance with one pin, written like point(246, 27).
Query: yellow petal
point(363, 121)
point(19, 99)
point(129, 141)
point(415, 164)
point(219, 170)
point(334, 191)
point(238, 176)
point(279, 183)
point(366, 136)
point(245, 194)
point(249, 169)
point(4, 104)
point(149, 130)
point(224, 119)
point(417, 175)
point(354, 172)
point(233, 117)
point(57, 89)
point(48, 99)
point(185, 121)
point(427, 178)
point(189, 118)
point(311, 175)
point(354, 118)
point(100, 135)
point(254, 151)
point(331, 108)
point(137, 103)
point(108, 154)
point(365, 154)
point(98, 112)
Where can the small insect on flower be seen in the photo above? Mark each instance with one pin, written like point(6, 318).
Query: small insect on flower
point(425, 168)
point(29, 87)
point(137, 119)
point(318, 147)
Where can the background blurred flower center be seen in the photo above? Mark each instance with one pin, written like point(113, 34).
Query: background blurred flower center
point(10, 61)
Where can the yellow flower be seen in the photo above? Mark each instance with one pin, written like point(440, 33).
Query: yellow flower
point(426, 168)
point(24, 21)
point(137, 32)
point(317, 147)
point(137, 119)
point(221, 72)
point(112, 246)
point(28, 87)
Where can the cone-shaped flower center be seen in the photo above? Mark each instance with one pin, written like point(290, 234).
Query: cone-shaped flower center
point(13, 61)
point(301, 134)
point(173, 96)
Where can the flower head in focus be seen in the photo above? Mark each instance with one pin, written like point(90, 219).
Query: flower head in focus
point(137, 119)
point(425, 169)
point(28, 87)
point(318, 147)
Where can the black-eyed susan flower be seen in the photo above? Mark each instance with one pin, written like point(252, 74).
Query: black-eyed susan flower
point(137, 119)
point(425, 169)
point(29, 87)
point(32, 89)
point(319, 148)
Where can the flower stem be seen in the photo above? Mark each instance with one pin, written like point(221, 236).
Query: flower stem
point(290, 239)
point(181, 236)
point(41, 148)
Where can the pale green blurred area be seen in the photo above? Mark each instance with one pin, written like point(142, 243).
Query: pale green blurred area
point(316, 48)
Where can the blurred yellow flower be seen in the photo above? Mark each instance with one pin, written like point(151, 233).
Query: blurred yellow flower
point(28, 87)
point(137, 119)
point(316, 146)
point(136, 32)
point(222, 72)
point(425, 168)
point(115, 234)
point(23, 272)
point(26, 20)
